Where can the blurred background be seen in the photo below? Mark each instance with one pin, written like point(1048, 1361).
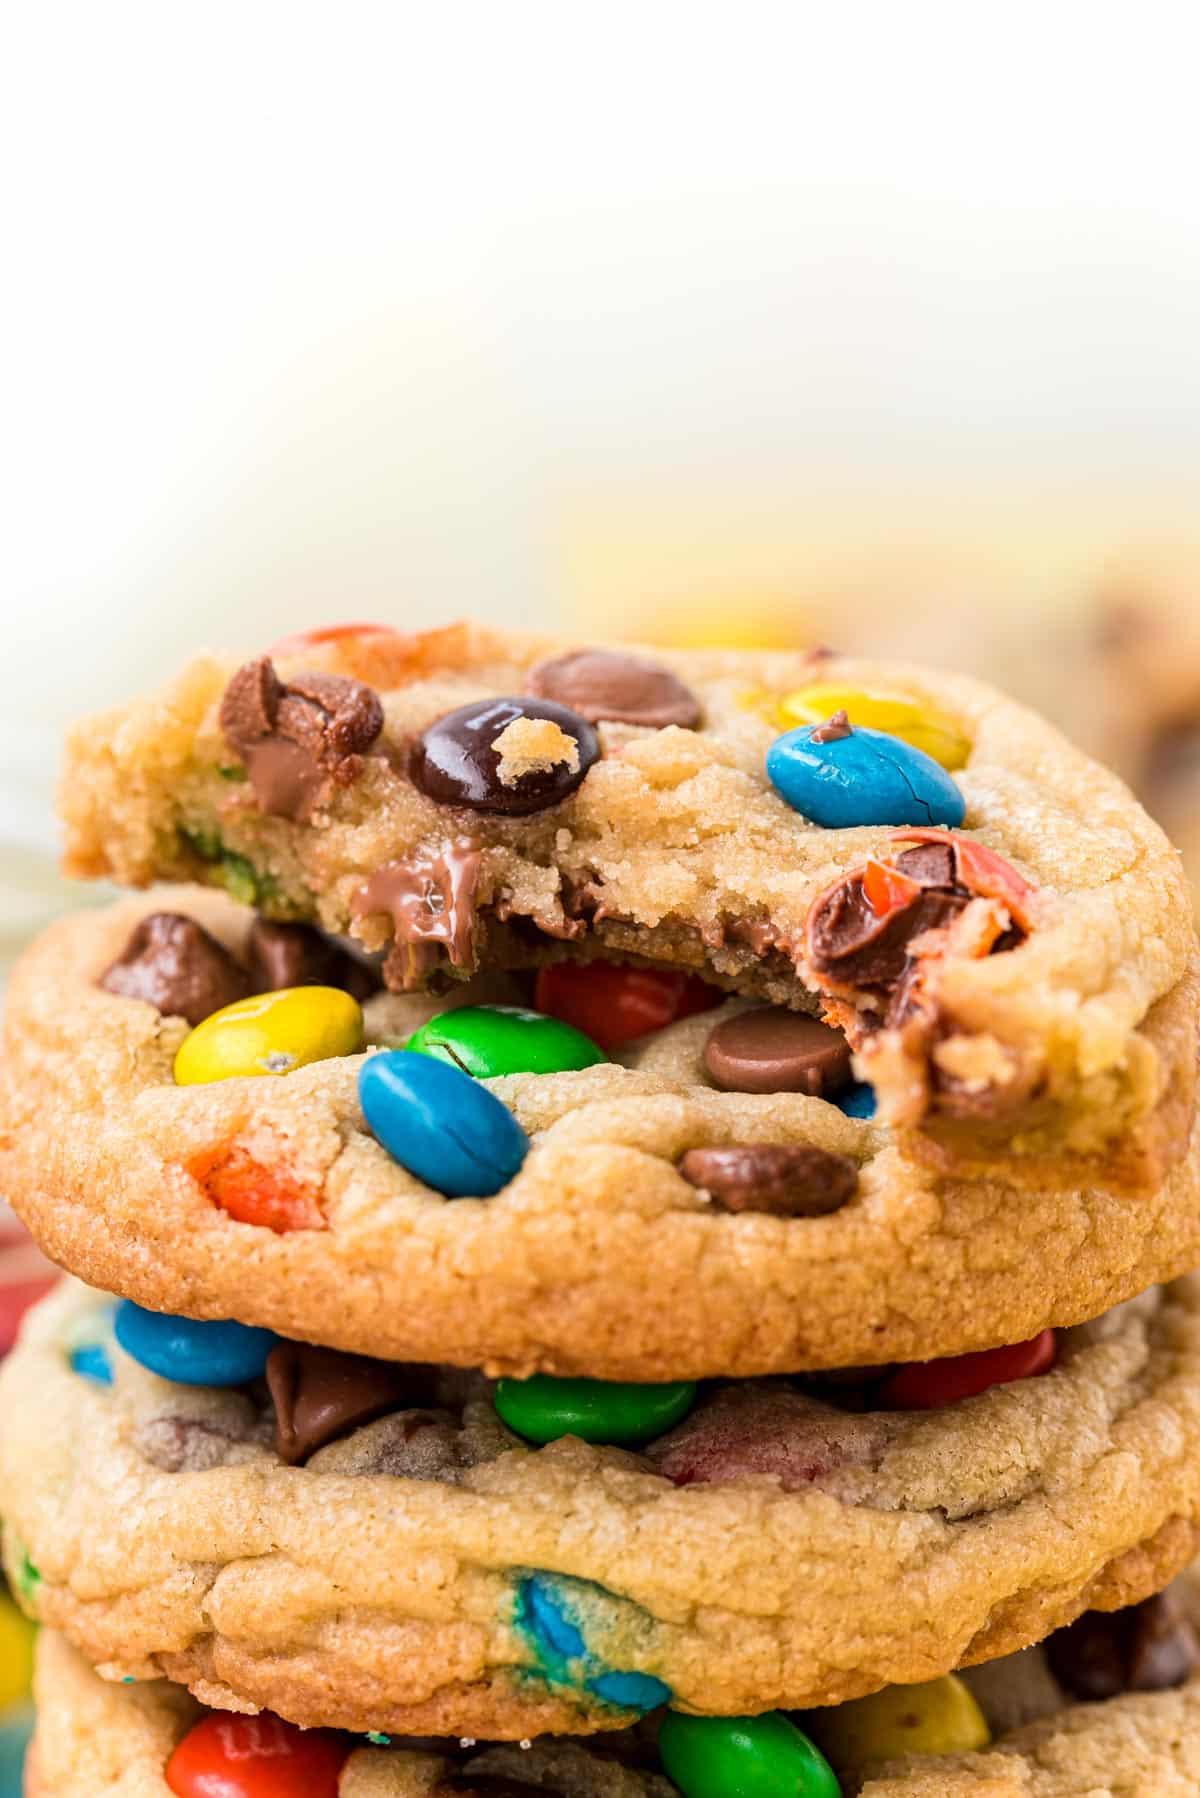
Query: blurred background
point(869, 325)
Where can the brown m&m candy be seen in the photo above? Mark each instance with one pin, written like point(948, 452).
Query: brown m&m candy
point(509, 756)
point(786, 1180)
point(772, 1050)
point(624, 689)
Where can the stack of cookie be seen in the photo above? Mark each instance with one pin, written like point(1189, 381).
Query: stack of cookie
point(638, 1247)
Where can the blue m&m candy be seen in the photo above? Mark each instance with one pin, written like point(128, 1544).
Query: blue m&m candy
point(840, 775)
point(441, 1124)
point(190, 1352)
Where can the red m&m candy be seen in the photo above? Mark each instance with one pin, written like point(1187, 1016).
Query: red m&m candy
point(230, 1756)
point(926, 1385)
point(614, 1004)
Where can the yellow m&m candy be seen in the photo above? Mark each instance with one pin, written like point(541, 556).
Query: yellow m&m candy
point(271, 1033)
point(939, 1717)
point(16, 1653)
point(928, 730)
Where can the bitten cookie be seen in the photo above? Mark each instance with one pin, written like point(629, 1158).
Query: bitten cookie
point(1137, 1737)
point(987, 914)
point(378, 1547)
point(658, 1226)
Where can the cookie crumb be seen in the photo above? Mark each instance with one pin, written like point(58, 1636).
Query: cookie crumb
point(533, 746)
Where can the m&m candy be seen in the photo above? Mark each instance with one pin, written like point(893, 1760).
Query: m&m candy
point(230, 1756)
point(543, 1408)
point(441, 1124)
point(613, 1004)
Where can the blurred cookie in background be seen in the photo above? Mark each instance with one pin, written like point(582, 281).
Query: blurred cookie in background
point(1089, 613)
point(1147, 648)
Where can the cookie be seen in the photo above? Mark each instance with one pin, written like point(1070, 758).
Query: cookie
point(629, 1245)
point(390, 1548)
point(986, 913)
point(148, 1741)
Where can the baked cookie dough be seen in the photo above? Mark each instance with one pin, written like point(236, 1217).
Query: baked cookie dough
point(466, 799)
point(780, 1545)
point(607, 1254)
point(98, 1740)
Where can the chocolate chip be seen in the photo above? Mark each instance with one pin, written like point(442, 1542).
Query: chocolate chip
point(770, 1050)
point(786, 1181)
point(767, 1430)
point(1148, 1647)
point(171, 962)
point(456, 761)
point(286, 955)
point(602, 683)
point(833, 729)
point(320, 1394)
point(301, 739)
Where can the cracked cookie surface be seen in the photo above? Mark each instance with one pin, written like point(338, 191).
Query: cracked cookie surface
point(655, 832)
point(606, 1255)
point(97, 1740)
point(424, 1572)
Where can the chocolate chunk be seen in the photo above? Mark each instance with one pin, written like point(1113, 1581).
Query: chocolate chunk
point(301, 739)
point(833, 729)
point(854, 944)
point(285, 955)
point(767, 1430)
point(771, 1050)
point(171, 962)
point(1162, 1646)
point(930, 864)
point(1148, 1647)
point(320, 1394)
point(456, 761)
point(431, 900)
point(601, 683)
point(787, 1181)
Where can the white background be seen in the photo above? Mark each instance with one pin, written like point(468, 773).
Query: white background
point(403, 310)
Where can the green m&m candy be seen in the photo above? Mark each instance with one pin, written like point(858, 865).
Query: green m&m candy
point(488, 1040)
point(603, 1411)
point(743, 1757)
